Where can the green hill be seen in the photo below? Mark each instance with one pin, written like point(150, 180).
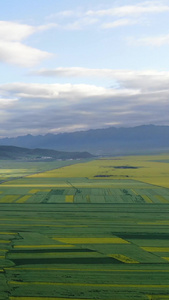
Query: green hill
point(18, 153)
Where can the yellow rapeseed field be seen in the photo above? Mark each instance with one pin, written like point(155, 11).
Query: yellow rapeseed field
point(13, 172)
point(34, 191)
point(152, 169)
point(113, 240)
point(156, 249)
point(23, 199)
point(162, 199)
point(9, 198)
point(125, 259)
point(69, 198)
point(147, 199)
point(167, 258)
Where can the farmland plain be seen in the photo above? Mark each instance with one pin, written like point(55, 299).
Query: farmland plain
point(94, 229)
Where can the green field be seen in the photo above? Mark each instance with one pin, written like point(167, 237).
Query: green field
point(85, 231)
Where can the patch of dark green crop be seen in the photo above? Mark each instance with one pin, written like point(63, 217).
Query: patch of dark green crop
point(103, 175)
point(53, 250)
point(125, 167)
point(56, 192)
point(67, 261)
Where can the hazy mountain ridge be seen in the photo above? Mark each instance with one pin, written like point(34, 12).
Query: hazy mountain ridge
point(13, 152)
point(111, 140)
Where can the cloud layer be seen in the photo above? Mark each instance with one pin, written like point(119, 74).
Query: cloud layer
point(143, 80)
point(141, 98)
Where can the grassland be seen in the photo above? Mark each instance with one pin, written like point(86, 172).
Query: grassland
point(93, 230)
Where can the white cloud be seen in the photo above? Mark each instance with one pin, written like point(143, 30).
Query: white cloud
point(80, 23)
point(145, 7)
point(47, 27)
point(153, 41)
point(144, 80)
point(73, 20)
point(131, 10)
point(119, 23)
point(114, 16)
point(13, 51)
point(63, 14)
point(20, 54)
point(11, 31)
point(69, 93)
point(7, 102)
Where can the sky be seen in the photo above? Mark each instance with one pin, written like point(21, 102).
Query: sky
point(78, 65)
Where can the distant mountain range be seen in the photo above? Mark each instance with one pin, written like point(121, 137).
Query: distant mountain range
point(13, 152)
point(116, 141)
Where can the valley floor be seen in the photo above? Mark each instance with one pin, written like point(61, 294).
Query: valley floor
point(85, 237)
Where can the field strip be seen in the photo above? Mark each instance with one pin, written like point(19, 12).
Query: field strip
point(158, 297)
point(21, 219)
point(146, 198)
point(85, 270)
point(35, 220)
point(34, 191)
point(43, 225)
point(123, 258)
point(88, 199)
point(92, 240)
point(9, 198)
point(8, 233)
point(1, 271)
point(46, 298)
point(23, 199)
point(79, 185)
point(60, 220)
point(4, 242)
point(162, 199)
point(156, 249)
point(2, 257)
point(41, 246)
point(134, 192)
point(160, 223)
point(69, 198)
point(54, 255)
point(154, 286)
point(36, 185)
point(167, 258)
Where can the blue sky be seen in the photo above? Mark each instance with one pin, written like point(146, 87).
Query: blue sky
point(75, 65)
